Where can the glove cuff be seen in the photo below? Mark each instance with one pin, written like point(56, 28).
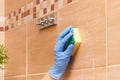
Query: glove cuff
point(56, 72)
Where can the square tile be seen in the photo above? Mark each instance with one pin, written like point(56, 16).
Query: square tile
point(113, 73)
point(84, 74)
point(15, 41)
point(99, 74)
point(113, 32)
point(35, 77)
point(1, 78)
point(2, 6)
point(40, 48)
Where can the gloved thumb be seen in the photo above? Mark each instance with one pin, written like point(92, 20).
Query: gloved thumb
point(69, 49)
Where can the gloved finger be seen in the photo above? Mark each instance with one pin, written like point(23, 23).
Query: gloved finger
point(69, 49)
point(64, 32)
point(67, 37)
point(61, 43)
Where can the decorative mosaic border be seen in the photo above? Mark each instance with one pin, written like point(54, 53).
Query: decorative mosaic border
point(31, 11)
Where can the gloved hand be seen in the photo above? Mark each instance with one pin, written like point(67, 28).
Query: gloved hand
point(61, 55)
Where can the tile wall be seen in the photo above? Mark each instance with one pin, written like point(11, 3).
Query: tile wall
point(31, 50)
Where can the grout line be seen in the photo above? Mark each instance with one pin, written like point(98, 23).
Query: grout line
point(112, 66)
point(106, 23)
point(27, 75)
point(16, 76)
point(26, 48)
point(26, 51)
point(85, 69)
point(37, 74)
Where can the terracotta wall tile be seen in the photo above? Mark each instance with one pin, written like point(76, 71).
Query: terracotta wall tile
point(35, 77)
point(69, 1)
point(45, 10)
point(40, 47)
point(56, 0)
point(37, 1)
point(34, 15)
point(2, 7)
point(6, 28)
point(99, 74)
point(92, 31)
point(16, 78)
point(113, 73)
point(1, 28)
point(19, 11)
point(15, 41)
point(52, 7)
point(113, 32)
point(34, 9)
point(85, 74)
point(1, 78)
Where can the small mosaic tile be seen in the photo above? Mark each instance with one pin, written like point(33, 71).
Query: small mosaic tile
point(22, 9)
point(69, 1)
point(37, 2)
point(52, 1)
point(14, 14)
point(19, 11)
point(16, 18)
point(38, 7)
point(29, 5)
point(44, 4)
point(34, 9)
point(34, 15)
point(1, 28)
point(45, 10)
point(48, 9)
point(60, 4)
point(6, 28)
point(52, 7)
point(41, 13)
point(56, 0)
point(41, 1)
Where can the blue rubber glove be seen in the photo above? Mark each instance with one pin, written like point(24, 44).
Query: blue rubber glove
point(61, 56)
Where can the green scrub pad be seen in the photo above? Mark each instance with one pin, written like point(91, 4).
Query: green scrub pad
point(70, 41)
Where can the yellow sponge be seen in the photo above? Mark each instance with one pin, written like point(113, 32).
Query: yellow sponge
point(75, 39)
